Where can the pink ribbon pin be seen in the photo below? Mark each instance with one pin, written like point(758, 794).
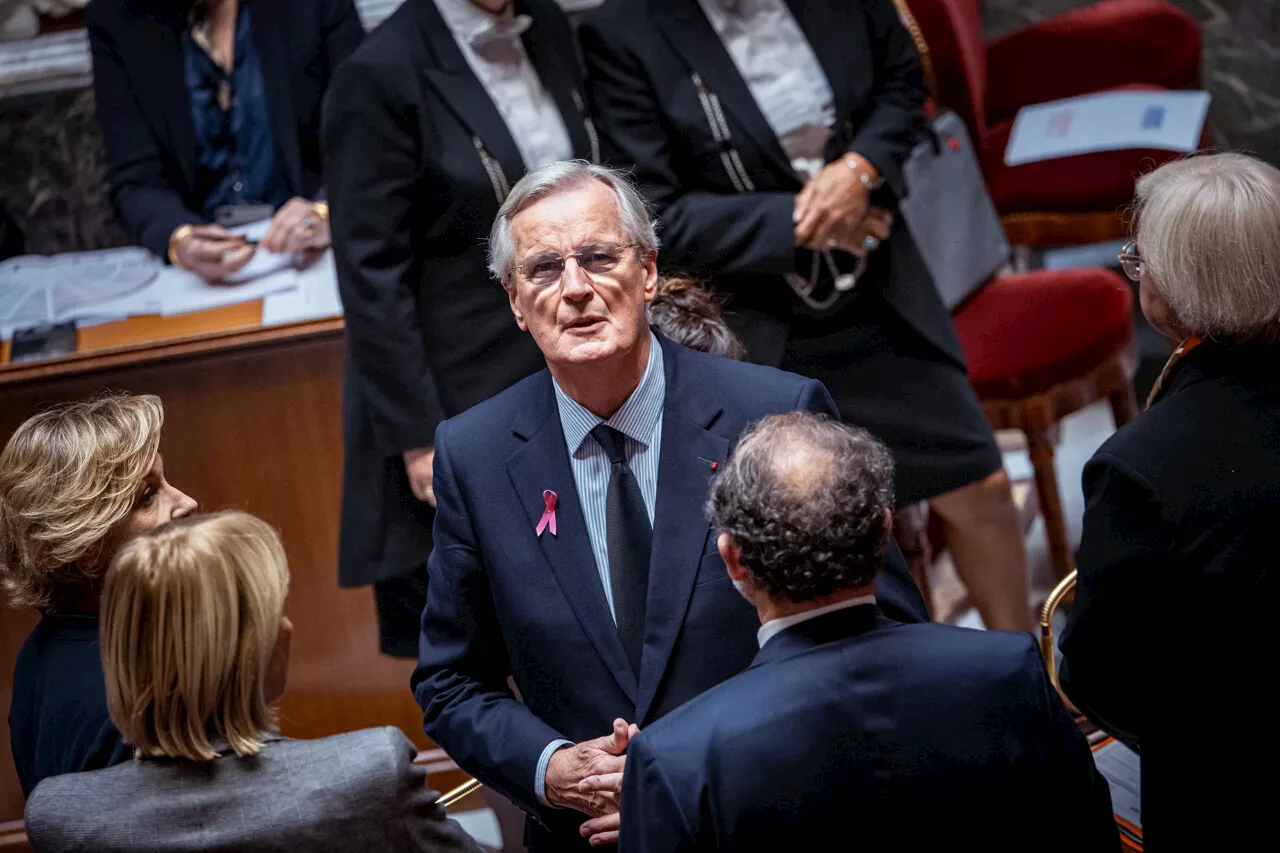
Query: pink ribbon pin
point(548, 514)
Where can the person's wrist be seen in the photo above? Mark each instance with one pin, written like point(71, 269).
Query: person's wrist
point(179, 234)
point(867, 173)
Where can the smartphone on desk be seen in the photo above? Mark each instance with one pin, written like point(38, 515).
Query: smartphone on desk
point(40, 343)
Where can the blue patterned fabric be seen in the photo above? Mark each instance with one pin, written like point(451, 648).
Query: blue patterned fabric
point(238, 162)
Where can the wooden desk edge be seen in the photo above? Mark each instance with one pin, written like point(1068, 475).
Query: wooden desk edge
point(166, 350)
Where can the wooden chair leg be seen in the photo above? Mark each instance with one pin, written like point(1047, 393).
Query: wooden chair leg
point(911, 532)
point(1041, 451)
point(1124, 405)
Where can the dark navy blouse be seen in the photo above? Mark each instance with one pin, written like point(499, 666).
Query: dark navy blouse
point(58, 720)
point(238, 162)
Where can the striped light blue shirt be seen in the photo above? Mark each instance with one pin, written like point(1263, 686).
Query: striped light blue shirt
point(640, 420)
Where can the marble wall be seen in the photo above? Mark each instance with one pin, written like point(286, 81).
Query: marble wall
point(51, 174)
point(1241, 66)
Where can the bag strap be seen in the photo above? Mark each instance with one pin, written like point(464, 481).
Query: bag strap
point(917, 36)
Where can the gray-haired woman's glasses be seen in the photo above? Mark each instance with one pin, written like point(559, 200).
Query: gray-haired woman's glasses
point(1130, 260)
point(595, 259)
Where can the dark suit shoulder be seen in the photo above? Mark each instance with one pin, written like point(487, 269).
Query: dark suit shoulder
point(925, 661)
point(476, 429)
point(742, 384)
point(1219, 430)
point(391, 52)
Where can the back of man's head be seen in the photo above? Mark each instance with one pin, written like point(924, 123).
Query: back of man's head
point(805, 500)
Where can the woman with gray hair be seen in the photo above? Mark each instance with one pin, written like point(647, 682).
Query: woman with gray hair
point(1177, 570)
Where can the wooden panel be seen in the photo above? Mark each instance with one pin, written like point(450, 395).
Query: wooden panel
point(253, 421)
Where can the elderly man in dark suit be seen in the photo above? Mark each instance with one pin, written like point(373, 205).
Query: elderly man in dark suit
point(570, 549)
point(912, 737)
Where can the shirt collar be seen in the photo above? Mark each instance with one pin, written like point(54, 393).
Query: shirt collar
point(638, 417)
point(468, 21)
point(774, 627)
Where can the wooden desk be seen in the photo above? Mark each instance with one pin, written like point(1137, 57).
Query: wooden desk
point(252, 421)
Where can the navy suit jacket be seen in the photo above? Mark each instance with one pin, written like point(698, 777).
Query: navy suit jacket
point(502, 601)
point(853, 726)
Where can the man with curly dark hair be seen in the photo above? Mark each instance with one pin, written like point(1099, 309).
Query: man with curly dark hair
point(848, 724)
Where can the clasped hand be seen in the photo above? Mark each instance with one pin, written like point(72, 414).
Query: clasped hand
point(587, 777)
point(834, 211)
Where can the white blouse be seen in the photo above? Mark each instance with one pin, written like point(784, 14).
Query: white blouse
point(492, 47)
point(781, 70)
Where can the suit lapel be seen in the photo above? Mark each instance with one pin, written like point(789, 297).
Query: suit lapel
point(549, 60)
point(680, 531)
point(270, 22)
point(160, 62)
point(691, 34)
point(542, 463)
point(451, 76)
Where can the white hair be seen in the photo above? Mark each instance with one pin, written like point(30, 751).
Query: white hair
point(1208, 230)
point(633, 214)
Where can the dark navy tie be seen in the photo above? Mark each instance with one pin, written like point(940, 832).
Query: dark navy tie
point(630, 539)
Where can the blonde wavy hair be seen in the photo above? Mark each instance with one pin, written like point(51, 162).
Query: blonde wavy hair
point(190, 615)
point(67, 476)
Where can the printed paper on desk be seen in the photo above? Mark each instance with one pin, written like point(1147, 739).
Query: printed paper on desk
point(315, 297)
point(185, 292)
point(1108, 121)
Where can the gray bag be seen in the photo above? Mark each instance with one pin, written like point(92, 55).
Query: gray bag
point(950, 214)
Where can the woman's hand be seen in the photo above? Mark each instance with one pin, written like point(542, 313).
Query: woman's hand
point(837, 198)
point(212, 252)
point(876, 225)
point(297, 227)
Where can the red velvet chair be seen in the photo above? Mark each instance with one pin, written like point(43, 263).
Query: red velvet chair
point(1040, 346)
point(1115, 44)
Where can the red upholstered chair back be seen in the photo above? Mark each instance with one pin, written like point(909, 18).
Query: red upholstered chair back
point(952, 30)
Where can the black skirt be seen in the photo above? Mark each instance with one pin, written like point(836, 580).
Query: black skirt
point(887, 378)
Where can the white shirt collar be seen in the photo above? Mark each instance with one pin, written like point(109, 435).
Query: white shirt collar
point(469, 22)
point(773, 627)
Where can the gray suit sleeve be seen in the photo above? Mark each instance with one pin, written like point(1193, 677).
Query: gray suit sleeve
point(426, 823)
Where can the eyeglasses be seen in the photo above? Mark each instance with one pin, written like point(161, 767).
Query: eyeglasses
point(1130, 260)
point(595, 259)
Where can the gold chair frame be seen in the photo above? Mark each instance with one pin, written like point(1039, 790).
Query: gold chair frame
point(463, 791)
point(1061, 591)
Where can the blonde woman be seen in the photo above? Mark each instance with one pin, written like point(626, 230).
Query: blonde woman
point(1172, 630)
point(75, 482)
point(195, 646)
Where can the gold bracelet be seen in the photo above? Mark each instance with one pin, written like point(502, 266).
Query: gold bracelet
point(322, 209)
point(179, 234)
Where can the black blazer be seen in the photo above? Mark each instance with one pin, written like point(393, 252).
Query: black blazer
point(145, 111)
point(503, 601)
point(1169, 640)
point(408, 131)
point(642, 59)
point(892, 737)
point(58, 720)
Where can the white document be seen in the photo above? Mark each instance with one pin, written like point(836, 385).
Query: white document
point(185, 292)
point(1122, 768)
point(1108, 121)
point(262, 263)
point(315, 297)
point(36, 290)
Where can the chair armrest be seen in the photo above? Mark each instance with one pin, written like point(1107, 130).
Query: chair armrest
point(1104, 46)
